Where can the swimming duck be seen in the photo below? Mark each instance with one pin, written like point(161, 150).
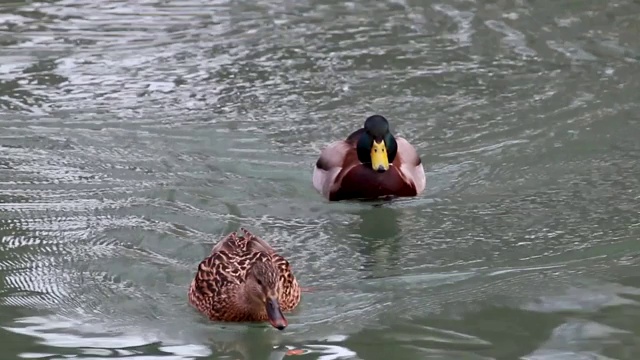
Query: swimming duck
point(369, 164)
point(244, 280)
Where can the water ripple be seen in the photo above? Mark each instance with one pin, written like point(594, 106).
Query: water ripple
point(135, 134)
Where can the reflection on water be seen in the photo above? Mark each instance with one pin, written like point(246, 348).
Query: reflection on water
point(135, 134)
point(379, 242)
point(59, 335)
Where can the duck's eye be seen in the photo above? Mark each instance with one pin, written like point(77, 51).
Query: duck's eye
point(375, 150)
point(260, 282)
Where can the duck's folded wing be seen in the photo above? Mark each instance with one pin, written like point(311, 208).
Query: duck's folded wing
point(290, 290)
point(329, 165)
point(411, 165)
point(215, 273)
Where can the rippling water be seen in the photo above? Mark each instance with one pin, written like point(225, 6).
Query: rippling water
point(134, 134)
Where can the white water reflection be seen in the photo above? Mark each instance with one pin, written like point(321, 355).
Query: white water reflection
point(89, 341)
point(577, 339)
point(59, 332)
point(590, 298)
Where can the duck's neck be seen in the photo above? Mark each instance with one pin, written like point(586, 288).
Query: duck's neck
point(248, 303)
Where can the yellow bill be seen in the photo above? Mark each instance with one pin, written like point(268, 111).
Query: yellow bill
point(379, 159)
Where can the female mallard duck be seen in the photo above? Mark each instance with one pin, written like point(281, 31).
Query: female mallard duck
point(244, 280)
point(369, 164)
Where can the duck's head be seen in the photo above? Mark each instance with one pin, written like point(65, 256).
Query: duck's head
point(377, 147)
point(263, 287)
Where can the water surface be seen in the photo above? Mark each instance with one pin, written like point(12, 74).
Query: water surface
point(134, 134)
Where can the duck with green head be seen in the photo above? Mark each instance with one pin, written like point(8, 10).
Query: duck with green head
point(371, 163)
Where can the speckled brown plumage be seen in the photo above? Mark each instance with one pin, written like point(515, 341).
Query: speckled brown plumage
point(220, 285)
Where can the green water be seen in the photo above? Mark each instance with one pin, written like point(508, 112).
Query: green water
point(133, 134)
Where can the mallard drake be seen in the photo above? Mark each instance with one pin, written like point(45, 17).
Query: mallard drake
point(244, 280)
point(369, 164)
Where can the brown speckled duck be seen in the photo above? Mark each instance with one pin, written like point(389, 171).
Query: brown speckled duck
point(244, 280)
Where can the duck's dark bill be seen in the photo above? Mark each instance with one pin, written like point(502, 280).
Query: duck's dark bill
point(276, 318)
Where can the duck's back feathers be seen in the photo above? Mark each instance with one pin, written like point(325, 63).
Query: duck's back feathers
point(353, 138)
point(240, 245)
